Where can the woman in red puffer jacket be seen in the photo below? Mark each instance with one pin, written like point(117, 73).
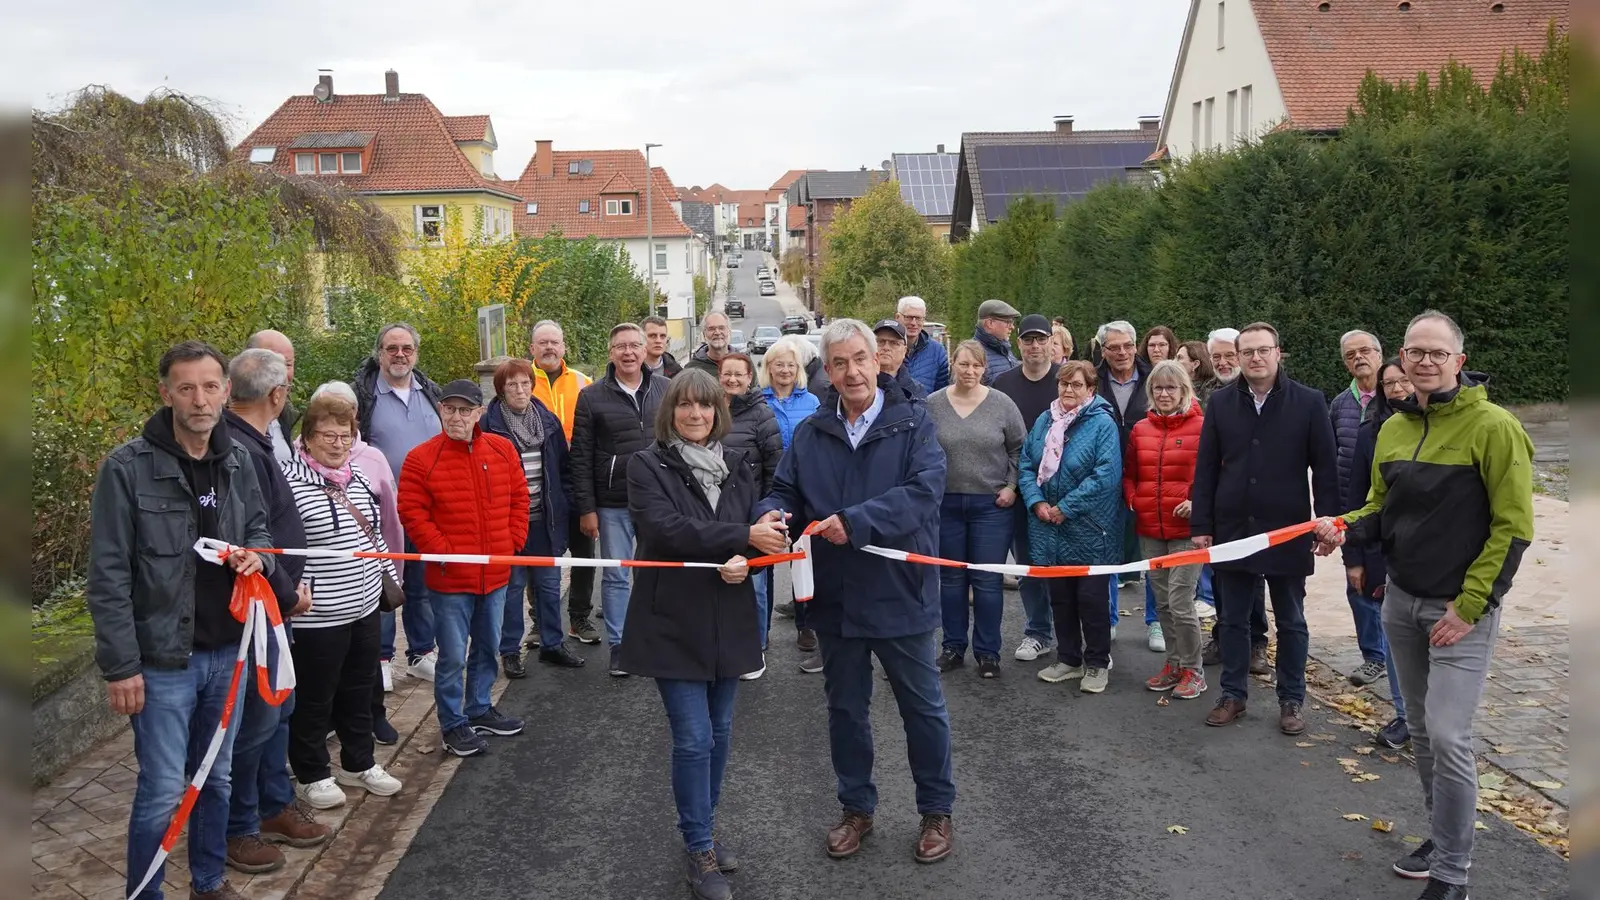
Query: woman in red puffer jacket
point(1157, 473)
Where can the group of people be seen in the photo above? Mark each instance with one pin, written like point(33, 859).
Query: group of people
point(880, 437)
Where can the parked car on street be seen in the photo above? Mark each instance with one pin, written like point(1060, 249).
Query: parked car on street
point(733, 307)
point(736, 340)
point(768, 289)
point(761, 271)
point(795, 325)
point(733, 262)
point(935, 330)
point(765, 337)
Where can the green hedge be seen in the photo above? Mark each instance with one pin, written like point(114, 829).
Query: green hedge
point(1438, 194)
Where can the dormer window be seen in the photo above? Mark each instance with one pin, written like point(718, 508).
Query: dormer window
point(583, 207)
point(580, 167)
point(347, 162)
point(331, 153)
point(619, 207)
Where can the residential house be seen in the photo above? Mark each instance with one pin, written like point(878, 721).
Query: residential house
point(397, 150)
point(928, 185)
point(778, 202)
point(1249, 66)
point(610, 194)
point(824, 196)
point(996, 167)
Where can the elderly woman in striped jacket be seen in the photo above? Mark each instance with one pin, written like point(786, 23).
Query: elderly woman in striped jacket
point(336, 642)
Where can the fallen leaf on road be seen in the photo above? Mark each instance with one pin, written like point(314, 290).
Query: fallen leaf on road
point(1479, 826)
point(1350, 856)
point(1381, 825)
point(1304, 744)
point(1363, 751)
point(1489, 794)
point(1305, 763)
point(1529, 702)
point(1177, 829)
point(1505, 750)
point(1322, 736)
point(1353, 817)
point(1366, 776)
point(1411, 839)
point(1163, 700)
point(1491, 780)
point(1389, 757)
point(1548, 785)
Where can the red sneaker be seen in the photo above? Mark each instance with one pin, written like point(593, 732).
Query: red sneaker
point(1191, 684)
point(1167, 680)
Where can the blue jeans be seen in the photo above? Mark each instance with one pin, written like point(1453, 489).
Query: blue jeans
point(546, 582)
point(700, 714)
point(417, 616)
point(182, 708)
point(1035, 591)
point(460, 619)
point(616, 542)
point(260, 772)
point(972, 529)
point(1235, 592)
point(1202, 589)
point(1150, 617)
point(914, 679)
point(1368, 615)
point(763, 582)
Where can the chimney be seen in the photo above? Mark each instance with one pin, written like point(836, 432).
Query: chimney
point(325, 81)
point(940, 149)
point(1063, 124)
point(1149, 123)
point(545, 158)
point(391, 85)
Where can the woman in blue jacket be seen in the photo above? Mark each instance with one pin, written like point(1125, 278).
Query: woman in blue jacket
point(784, 385)
point(1071, 481)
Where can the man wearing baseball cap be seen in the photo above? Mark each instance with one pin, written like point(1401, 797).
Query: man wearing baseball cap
point(464, 491)
point(996, 320)
point(891, 337)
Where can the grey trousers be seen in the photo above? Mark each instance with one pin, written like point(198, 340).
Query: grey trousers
point(1441, 687)
point(1174, 593)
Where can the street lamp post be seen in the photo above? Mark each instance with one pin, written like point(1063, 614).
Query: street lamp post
point(650, 220)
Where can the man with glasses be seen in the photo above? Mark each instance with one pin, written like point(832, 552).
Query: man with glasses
point(464, 491)
point(717, 331)
point(556, 385)
point(1453, 504)
point(398, 408)
point(614, 419)
point(1032, 387)
point(1261, 436)
point(1223, 344)
point(926, 359)
point(1363, 356)
point(1122, 374)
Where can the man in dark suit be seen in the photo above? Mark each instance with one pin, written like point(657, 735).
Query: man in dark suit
point(1262, 433)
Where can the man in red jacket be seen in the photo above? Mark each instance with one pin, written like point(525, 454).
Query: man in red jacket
point(464, 492)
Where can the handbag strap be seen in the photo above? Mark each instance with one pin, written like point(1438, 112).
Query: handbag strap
point(361, 520)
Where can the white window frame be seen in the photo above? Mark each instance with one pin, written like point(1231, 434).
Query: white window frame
point(532, 209)
point(1230, 132)
point(263, 155)
point(488, 163)
point(1246, 126)
point(1210, 115)
point(585, 207)
point(344, 158)
point(625, 207)
point(322, 157)
point(661, 258)
point(611, 207)
point(1221, 24)
point(305, 164)
point(436, 219)
point(1194, 128)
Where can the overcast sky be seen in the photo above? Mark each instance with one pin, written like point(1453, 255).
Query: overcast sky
point(736, 93)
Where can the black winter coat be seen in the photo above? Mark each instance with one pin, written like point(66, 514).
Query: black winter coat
point(1251, 474)
point(689, 624)
point(608, 427)
point(756, 436)
point(1138, 404)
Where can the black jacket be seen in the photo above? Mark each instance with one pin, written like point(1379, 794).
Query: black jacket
point(609, 426)
point(755, 435)
point(689, 623)
point(283, 516)
point(1367, 554)
point(555, 498)
point(1138, 404)
point(365, 383)
point(1251, 474)
point(670, 366)
point(701, 359)
point(287, 420)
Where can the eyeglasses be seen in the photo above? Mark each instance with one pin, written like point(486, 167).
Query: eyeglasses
point(459, 412)
point(1165, 389)
point(1257, 353)
point(334, 440)
point(630, 345)
point(1116, 348)
point(1359, 352)
point(400, 349)
point(1437, 357)
point(1396, 382)
point(1221, 357)
point(1075, 385)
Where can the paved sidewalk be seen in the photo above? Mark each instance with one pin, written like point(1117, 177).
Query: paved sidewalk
point(1522, 723)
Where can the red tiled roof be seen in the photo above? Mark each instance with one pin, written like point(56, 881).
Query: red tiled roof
point(789, 177)
point(796, 218)
point(467, 128)
point(558, 198)
point(619, 184)
point(752, 215)
point(664, 184)
point(413, 150)
point(1319, 57)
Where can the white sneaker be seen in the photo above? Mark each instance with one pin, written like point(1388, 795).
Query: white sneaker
point(1030, 649)
point(375, 780)
point(324, 794)
point(1204, 610)
point(423, 667)
point(1094, 681)
point(386, 669)
point(1058, 672)
point(1155, 640)
point(752, 676)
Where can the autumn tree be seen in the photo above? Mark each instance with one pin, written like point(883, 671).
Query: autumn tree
point(881, 239)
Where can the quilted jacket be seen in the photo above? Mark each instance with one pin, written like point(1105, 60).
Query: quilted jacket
point(1158, 470)
point(465, 497)
point(1087, 487)
point(1347, 414)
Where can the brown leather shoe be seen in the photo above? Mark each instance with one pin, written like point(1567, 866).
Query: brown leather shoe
point(252, 856)
point(295, 826)
point(806, 641)
point(935, 842)
point(845, 838)
point(1259, 664)
point(1226, 710)
point(225, 892)
point(1289, 720)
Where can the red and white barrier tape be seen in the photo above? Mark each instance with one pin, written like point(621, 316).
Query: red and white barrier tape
point(255, 605)
point(212, 546)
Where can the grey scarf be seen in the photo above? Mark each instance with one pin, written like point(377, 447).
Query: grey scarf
point(525, 426)
point(708, 466)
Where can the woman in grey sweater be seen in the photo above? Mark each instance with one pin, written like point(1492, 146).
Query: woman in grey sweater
point(981, 432)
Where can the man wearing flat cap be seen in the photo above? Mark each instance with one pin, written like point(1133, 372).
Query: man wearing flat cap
point(996, 320)
point(464, 491)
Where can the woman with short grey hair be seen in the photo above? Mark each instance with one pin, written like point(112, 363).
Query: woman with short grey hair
point(696, 630)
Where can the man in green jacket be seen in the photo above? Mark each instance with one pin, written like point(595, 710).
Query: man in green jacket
point(1452, 501)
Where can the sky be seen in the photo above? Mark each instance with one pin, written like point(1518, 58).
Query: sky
point(736, 94)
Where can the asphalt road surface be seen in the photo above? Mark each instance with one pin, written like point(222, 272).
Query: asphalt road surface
point(1060, 795)
point(758, 310)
